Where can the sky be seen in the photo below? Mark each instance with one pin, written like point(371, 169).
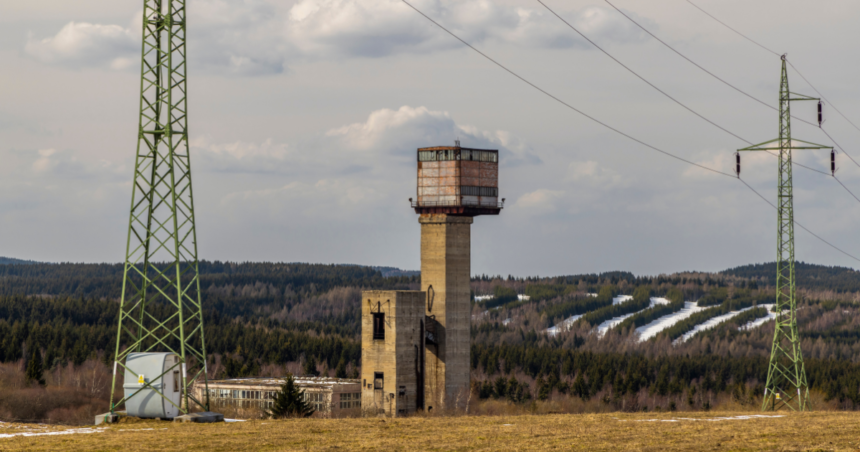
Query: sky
point(304, 117)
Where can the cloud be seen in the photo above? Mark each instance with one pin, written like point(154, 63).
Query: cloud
point(44, 163)
point(539, 201)
point(604, 24)
point(241, 156)
point(263, 37)
point(363, 166)
point(391, 131)
point(81, 44)
point(66, 164)
point(595, 176)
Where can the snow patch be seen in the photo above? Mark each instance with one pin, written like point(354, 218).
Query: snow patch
point(621, 299)
point(563, 326)
point(714, 322)
point(714, 419)
point(652, 329)
point(59, 432)
point(760, 321)
point(611, 323)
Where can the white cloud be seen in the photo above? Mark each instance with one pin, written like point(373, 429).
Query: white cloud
point(81, 44)
point(539, 201)
point(386, 128)
point(44, 163)
point(259, 37)
point(389, 131)
point(66, 164)
point(594, 175)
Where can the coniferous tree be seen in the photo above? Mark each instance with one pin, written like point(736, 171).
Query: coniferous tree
point(50, 357)
point(289, 401)
point(34, 368)
point(340, 372)
point(310, 367)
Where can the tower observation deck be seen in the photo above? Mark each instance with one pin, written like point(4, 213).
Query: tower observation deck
point(460, 181)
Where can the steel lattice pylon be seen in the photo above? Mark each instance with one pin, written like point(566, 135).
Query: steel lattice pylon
point(786, 376)
point(161, 308)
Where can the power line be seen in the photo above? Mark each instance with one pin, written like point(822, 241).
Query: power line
point(822, 96)
point(640, 77)
point(702, 68)
point(563, 102)
point(732, 29)
point(675, 100)
point(801, 226)
point(840, 147)
point(669, 154)
point(763, 47)
point(795, 70)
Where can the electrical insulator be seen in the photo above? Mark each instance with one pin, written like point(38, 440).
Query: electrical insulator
point(820, 117)
point(833, 162)
point(738, 164)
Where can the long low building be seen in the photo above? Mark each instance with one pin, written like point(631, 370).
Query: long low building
point(331, 397)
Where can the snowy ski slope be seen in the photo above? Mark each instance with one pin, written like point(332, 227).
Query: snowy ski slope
point(605, 326)
point(716, 321)
point(566, 323)
point(652, 329)
point(760, 321)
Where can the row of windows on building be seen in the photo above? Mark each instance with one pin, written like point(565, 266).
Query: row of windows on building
point(241, 394)
point(350, 400)
point(479, 191)
point(317, 400)
point(458, 154)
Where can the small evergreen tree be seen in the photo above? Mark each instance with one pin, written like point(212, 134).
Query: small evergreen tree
point(289, 401)
point(34, 368)
point(232, 367)
point(340, 372)
point(311, 366)
point(50, 357)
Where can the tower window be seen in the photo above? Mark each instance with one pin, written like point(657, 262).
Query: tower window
point(378, 378)
point(379, 325)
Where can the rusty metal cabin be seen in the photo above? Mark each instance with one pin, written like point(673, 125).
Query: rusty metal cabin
point(458, 181)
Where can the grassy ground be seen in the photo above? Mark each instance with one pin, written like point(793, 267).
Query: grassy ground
point(816, 431)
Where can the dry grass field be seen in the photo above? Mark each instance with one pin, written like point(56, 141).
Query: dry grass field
point(816, 431)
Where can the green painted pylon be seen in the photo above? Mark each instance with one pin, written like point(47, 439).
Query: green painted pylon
point(161, 309)
point(786, 376)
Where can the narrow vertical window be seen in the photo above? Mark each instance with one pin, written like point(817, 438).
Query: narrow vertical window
point(378, 325)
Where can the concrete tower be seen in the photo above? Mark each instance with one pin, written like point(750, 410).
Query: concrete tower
point(392, 352)
point(455, 185)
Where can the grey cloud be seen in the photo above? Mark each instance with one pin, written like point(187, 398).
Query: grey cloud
point(81, 44)
point(263, 37)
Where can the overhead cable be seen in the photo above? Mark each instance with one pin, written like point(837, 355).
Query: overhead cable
point(677, 101)
point(795, 70)
point(732, 29)
point(840, 147)
point(630, 137)
point(822, 96)
point(702, 68)
point(592, 118)
point(639, 76)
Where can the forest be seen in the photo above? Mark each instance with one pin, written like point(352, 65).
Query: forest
point(271, 318)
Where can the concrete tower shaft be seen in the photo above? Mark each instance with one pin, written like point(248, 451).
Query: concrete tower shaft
point(445, 276)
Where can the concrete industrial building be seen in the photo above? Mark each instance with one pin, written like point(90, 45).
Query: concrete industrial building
point(455, 184)
point(392, 351)
point(330, 397)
